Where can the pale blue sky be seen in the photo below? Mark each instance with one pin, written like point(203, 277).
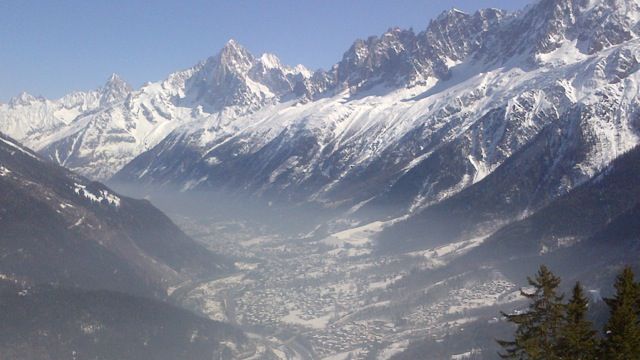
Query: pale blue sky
point(51, 47)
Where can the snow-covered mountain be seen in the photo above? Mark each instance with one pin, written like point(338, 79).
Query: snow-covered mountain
point(403, 121)
point(27, 116)
point(97, 132)
point(414, 118)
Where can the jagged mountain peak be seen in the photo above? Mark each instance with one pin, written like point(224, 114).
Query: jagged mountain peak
point(235, 57)
point(376, 59)
point(115, 89)
point(303, 70)
point(269, 70)
point(454, 35)
point(451, 14)
point(456, 17)
point(235, 78)
point(270, 61)
point(115, 80)
point(232, 44)
point(401, 57)
point(23, 99)
point(366, 52)
point(376, 45)
point(548, 24)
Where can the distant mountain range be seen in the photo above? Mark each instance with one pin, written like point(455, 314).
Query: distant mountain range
point(403, 121)
point(498, 111)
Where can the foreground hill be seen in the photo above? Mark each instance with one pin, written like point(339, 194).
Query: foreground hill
point(590, 229)
point(58, 227)
point(80, 267)
point(583, 234)
point(586, 235)
point(45, 323)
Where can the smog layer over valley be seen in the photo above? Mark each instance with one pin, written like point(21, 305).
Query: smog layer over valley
point(468, 189)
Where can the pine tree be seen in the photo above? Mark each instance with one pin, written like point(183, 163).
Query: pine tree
point(577, 338)
point(622, 331)
point(536, 335)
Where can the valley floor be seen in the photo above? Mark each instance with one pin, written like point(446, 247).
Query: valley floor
point(332, 298)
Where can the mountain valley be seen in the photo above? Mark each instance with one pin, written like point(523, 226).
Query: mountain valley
point(389, 206)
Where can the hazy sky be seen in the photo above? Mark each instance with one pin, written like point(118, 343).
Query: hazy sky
point(52, 47)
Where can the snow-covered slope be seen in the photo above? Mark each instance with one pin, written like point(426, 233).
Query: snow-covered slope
point(404, 120)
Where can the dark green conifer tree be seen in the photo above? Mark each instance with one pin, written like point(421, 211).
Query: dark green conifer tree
point(537, 335)
point(577, 338)
point(622, 331)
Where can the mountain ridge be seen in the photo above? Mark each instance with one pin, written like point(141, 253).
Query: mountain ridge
point(440, 109)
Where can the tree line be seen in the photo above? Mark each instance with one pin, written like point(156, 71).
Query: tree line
point(550, 329)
